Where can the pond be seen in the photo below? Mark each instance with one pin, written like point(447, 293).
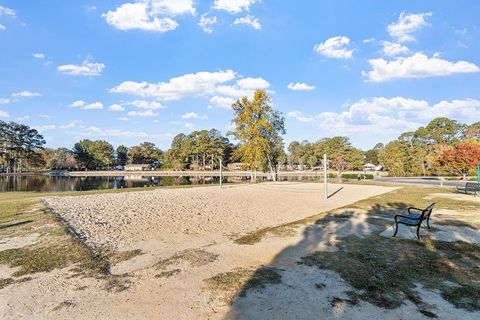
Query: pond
point(43, 183)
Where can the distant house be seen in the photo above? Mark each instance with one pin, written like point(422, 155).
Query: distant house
point(234, 166)
point(136, 167)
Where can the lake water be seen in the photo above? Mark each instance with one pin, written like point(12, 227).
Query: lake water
point(41, 183)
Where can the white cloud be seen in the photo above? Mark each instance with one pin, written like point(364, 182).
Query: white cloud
point(335, 47)
point(2, 27)
point(393, 49)
point(300, 86)
point(4, 114)
point(70, 125)
point(93, 106)
point(149, 15)
point(206, 23)
point(369, 40)
point(300, 116)
point(116, 107)
point(87, 106)
point(389, 116)
point(4, 11)
point(78, 104)
point(243, 87)
point(416, 66)
point(406, 25)
point(146, 113)
point(86, 68)
point(183, 124)
point(123, 119)
point(45, 127)
point(222, 102)
point(148, 105)
point(249, 21)
point(46, 116)
point(38, 55)
point(26, 94)
point(193, 115)
point(193, 84)
point(4, 100)
point(233, 6)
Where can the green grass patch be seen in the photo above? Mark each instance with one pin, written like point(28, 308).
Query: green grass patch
point(124, 256)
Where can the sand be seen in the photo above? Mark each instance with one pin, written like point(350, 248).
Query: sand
point(198, 226)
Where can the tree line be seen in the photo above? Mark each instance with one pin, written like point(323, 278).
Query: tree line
point(444, 146)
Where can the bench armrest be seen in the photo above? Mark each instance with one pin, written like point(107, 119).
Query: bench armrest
point(407, 217)
point(416, 209)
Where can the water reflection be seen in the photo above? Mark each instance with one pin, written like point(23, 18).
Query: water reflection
point(40, 183)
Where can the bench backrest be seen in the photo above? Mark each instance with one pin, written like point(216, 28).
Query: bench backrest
point(427, 211)
point(471, 186)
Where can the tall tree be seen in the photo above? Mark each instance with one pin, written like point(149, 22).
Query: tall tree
point(145, 153)
point(93, 154)
point(121, 154)
point(258, 128)
point(461, 158)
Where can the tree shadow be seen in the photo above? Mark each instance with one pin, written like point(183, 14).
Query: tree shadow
point(382, 271)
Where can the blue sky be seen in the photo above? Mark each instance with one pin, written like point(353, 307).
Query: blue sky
point(131, 71)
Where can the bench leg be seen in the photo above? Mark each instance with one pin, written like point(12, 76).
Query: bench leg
point(418, 231)
point(428, 222)
point(396, 229)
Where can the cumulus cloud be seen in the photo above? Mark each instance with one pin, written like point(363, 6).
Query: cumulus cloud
point(87, 106)
point(116, 107)
point(86, 68)
point(146, 113)
point(393, 49)
point(249, 21)
point(407, 24)
point(4, 100)
point(300, 116)
point(149, 15)
point(243, 87)
point(300, 86)
point(234, 6)
point(4, 114)
point(4, 11)
point(193, 115)
point(416, 66)
point(38, 55)
point(335, 47)
point(193, 84)
point(207, 23)
point(222, 102)
point(389, 115)
point(148, 105)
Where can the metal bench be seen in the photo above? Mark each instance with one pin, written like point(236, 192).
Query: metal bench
point(414, 218)
point(469, 187)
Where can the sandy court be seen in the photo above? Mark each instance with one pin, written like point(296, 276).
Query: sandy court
point(162, 219)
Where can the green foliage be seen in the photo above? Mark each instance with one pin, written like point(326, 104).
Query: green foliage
point(121, 155)
point(93, 154)
point(198, 149)
point(19, 147)
point(145, 153)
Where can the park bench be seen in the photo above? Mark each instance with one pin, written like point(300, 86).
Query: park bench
point(469, 187)
point(414, 218)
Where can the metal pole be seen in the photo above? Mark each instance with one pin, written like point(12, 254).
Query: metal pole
point(221, 178)
point(325, 177)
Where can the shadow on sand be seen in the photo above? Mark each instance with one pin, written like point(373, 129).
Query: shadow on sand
point(341, 261)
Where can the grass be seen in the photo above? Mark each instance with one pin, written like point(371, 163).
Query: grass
point(239, 281)
point(387, 270)
point(193, 257)
point(124, 256)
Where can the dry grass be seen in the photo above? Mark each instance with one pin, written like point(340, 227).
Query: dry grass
point(229, 285)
